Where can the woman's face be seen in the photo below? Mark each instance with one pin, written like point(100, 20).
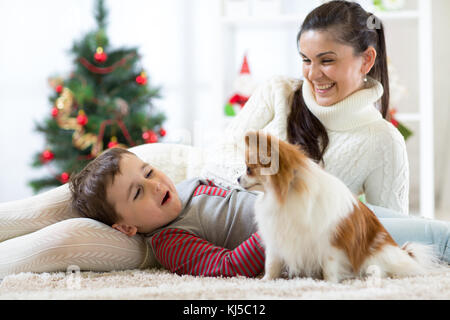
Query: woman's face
point(332, 68)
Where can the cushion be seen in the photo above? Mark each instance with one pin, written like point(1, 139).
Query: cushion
point(24, 216)
point(179, 162)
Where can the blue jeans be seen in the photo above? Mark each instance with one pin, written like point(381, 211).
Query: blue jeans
point(416, 229)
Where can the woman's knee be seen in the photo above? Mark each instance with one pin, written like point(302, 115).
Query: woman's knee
point(425, 231)
point(439, 232)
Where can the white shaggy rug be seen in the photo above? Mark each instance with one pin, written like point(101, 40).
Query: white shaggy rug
point(160, 284)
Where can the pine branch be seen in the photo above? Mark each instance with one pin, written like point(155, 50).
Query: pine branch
point(44, 183)
point(100, 14)
point(109, 95)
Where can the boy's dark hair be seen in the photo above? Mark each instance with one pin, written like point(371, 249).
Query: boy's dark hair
point(88, 187)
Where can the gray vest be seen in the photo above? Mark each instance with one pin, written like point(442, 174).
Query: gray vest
point(223, 217)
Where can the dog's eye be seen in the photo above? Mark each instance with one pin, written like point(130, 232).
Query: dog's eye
point(249, 170)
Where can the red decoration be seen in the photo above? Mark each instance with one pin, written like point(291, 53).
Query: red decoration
point(64, 178)
point(162, 132)
point(59, 88)
point(150, 136)
point(243, 87)
point(82, 119)
point(394, 121)
point(100, 56)
point(142, 78)
point(55, 112)
point(245, 68)
point(239, 99)
point(113, 142)
point(105, 70)
point(47, 156)
point(121, 125)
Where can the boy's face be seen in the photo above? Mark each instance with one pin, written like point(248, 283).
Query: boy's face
point(144, 197)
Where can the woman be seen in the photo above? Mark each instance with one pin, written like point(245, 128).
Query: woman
point(331, 115)
point(337, 114)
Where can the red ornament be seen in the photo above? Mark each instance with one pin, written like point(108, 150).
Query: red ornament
point(55, 112)
point(394, 122)
point(59, 88)
point(64, 178)
point(100, 56)
point(82, 119)
point(47, 156)
point(392, 113)
point(150, 136)
point(142, 78)
point(245, 68)
point(112, 143)
point(162, 132)
point(237, 98)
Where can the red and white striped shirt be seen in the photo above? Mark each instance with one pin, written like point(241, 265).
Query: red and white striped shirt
point(214, 235)
point(184, 253)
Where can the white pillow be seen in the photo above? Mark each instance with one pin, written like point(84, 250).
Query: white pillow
point(42, 232)
point(24, 216)
point(179, 162)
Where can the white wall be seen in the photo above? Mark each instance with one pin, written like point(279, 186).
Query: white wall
point(441, 50)
point(35, 37)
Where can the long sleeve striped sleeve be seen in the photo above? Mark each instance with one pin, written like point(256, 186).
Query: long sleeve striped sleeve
point(184, 253)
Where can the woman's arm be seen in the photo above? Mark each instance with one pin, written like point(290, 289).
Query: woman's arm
point(184, 253)
point(267, 108)
point(388, 184)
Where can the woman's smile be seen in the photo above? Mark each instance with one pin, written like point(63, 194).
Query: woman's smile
point(333, 69)
point(324, 89)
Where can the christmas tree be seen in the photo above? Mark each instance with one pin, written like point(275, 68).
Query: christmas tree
point(106, 102)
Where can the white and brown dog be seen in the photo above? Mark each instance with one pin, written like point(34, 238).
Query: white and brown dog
point(313, 225)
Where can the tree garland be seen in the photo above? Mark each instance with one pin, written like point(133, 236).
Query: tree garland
point(105, 70)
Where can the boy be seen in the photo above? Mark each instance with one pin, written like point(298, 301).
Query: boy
point(193, 228)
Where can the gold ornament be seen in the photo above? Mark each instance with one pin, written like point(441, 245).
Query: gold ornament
point(55, 81)
point(80, 139)
point(122, 107)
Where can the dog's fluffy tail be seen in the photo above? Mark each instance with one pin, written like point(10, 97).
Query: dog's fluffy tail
point(418, 259)
point(424, 256)
point(412, 259)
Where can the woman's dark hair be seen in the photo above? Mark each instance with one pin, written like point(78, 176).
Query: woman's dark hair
point(351, 25)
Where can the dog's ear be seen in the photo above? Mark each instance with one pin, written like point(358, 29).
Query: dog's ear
point(290, 159)
point(291, 156)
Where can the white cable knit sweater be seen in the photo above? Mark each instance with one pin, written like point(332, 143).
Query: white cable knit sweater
point(365, 151)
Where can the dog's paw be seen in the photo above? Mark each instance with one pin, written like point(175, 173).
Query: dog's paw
point(332, 278)
point(268, 277)
point(373, 271)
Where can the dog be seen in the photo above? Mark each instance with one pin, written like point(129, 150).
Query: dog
point(312, 225)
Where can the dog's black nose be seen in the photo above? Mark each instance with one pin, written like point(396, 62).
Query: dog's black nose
point(239, 180)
